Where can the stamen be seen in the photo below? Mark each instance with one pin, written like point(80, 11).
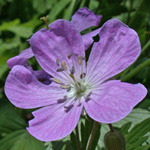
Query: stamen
point(62, 100)
point(72, 70)
point(80, 59)
point(57, 62)
point(69, 56)
point(89, 94)
point(63, 65)
point(60, 70)
point(88, 97)
point(57, 81)
point(45, 20)
point(82, 75)
point(65, 87)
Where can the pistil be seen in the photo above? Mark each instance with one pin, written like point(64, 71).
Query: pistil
point(45, 20)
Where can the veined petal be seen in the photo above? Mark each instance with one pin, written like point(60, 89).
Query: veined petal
point(84, 18)
point(54, 122)
point(88, 38)
point(114, 100)
point(58, 42)
point(118, 47)
point(25, 91)
point(20, 59)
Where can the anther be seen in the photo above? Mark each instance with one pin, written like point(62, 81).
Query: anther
point(72, 70)
point(82, 75)
point(45, 20)
point(69, 56)
point(88, 96)
point(63, 65)
point(60, 70)
point(62, 100)
point(57, 62)
point(57, 81)
point(80, 59)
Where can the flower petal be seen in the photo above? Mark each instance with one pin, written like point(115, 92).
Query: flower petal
point(118, 47)
point(42, 76)
point(25, 91)
point(114, 100)
point(84, 18)
point(54, 122)
point(57, 43)
point(88, 38)
point(21, 59)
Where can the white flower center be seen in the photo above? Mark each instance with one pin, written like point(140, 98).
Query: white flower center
point(76, 84)
point(78, 90)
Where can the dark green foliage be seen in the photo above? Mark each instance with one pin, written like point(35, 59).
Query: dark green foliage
point(19, 19)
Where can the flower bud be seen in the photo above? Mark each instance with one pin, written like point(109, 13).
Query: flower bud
point(114, 141)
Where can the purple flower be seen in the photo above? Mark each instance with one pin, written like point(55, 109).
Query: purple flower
point(81, 20)
point(76, 85)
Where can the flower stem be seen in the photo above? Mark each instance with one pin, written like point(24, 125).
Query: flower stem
point(91, 138)
point(136, 70)
point(111, 127)
point(45, 20)
point(77, 138)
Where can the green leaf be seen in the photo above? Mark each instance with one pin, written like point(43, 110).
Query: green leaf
point(10, 119)
point(68, 13)
point(139, 142)
point(140, 19)
point(58, 8)
point(24, 30)
point(125, 128)
point(64, 144)
point(136, 116)
point(3, 69)
point(42, 5)
point(7, 142)
point(27, 142)
point(7, 25)
point(138, 131)
point(9, 44)
point(86, 128)
point(20, 140)
point(144, 147)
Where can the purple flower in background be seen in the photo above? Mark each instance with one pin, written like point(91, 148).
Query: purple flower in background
point(76, 84)
point(81, 20)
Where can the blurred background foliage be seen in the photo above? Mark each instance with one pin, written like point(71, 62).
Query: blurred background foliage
point(19, 19)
